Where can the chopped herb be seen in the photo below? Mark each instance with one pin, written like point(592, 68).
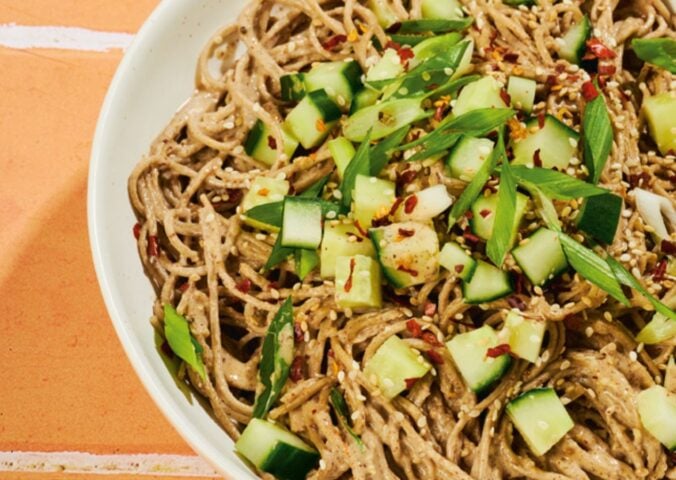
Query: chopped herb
point(505, 214)
point(182, 343)
point(597, 136)
point(658, 51)
point(556, 184)
point(340, 407)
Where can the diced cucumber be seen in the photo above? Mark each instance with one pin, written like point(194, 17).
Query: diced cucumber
point(342, 151)
point(382, 119)
point(542, 257)
point(264, 190)
point(573, 44)
point(301, 223)
point(442, 9)
point(260, 142)
point(660, 113)
point(293, 87)
point(524, 335)
point(522, 92)
point(306, 261)
point(342, 240)
point(394, 363)
point(389, 66)
point(358, 282)
point(657, 409)
point(408, 253)
point(487, 284)
point(373, 198)
point(457, 261)
point(467, 157)
point(275, 450)
point(482, 93)
point(556, 142)
point(312, 119)
point(600, 216)
point(660, 329)
point(364, 98)
point(386, 17)
point(469, 351)
point(340, 80)
point(428, 203)
point(540, 418)
point(483, 215)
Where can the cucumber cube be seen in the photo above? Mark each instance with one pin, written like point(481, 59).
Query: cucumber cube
point(522, 92)
point(660, 112)
point(488, 283)
point(428, 203)
point(457, 261)
point(341, 80)
point(658, 330)
point(342, 240)
point(301, 223)
point(657, 409)
point(524, 336)
point(373, 198)
point(573, 44)
point(275, 450)
point(483, 215)
point(468, 156)
point(261, 145)
point(408, 253)
point(541, 258)
point(469, 352)
point(442, 9)
point(263, 191)
point(541, 419)
point(555, 142)
point(393, 364)
point(482, 93)
point(343, 152)
point(313, 118)
point(358, 282)
point(386, 17)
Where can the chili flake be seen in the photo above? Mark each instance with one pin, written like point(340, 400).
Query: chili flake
point(334, 41)
point(498, 351)
point(414, 328)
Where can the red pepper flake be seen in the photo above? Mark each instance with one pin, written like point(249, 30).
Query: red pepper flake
point(498, 351)
point(668, 247)
point(505, 97)
point(597, 49)
point(405, 53)
point(414, 328)
point(359, 228)
point(541, 120)
point(459, 269)
point(394, 28)
point(379, 222)
point(396, 205)
point(516, 302)
point(406, 177)
point(510, 57)
point(410, 382)
point(411, 203)
point(334, 41)
point(638, 180)
point(439, 113)
point(393, 45)
point(660, 270)
point(244, 286)
point(589, 91)
point(435, 357)
point(137, 231)
point(537, 160)
point(469, 214)
point(298, 334)
point(153, 247)
point(551, 80)
point(484, 213)
point(431, 339)
point(272, 142)
point(273, 286)
point(331, 353)
point(560, 68)
point(430, 309)
point(297, 369)
point(405, 269)
point(184, 287)
point(406, 233)
point(607, 69)
point(348, 284)
point(470, 237)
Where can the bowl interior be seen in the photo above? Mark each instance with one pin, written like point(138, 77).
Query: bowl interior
point(154, 79)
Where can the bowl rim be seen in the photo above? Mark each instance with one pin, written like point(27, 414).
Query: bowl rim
point(170, 409)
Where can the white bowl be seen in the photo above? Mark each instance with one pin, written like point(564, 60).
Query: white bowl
point(156, 76)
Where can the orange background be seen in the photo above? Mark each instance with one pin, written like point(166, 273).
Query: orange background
point(67, 385)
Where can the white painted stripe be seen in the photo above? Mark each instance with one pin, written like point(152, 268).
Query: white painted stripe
point(63, 38)
point(78, 462)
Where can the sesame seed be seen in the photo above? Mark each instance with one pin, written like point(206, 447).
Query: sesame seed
point(633, 356)
point(589, 331)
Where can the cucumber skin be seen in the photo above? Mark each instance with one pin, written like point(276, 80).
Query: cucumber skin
point(556, 271)
point(289, 463)
point(600, 217)
point(477, 300)
point(293, 87)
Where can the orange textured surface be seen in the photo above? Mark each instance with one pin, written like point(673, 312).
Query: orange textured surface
point(67, 384)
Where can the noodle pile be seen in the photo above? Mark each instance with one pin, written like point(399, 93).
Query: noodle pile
point(201, 258)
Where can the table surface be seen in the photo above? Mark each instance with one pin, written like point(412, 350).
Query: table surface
point(57, 418)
